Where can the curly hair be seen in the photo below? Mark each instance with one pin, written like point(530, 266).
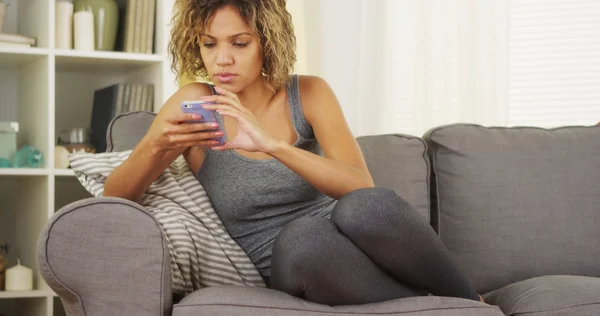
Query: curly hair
point(269, 19)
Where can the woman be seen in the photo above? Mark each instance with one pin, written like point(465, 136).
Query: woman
point(290, 183)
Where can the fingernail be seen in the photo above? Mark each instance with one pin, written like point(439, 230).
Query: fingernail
point(214, 125)
point(194, 116)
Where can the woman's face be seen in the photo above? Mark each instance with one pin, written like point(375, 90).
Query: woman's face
point(230, 51)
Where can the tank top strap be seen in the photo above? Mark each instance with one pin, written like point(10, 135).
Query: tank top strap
point(212, 88)
point(298, 119)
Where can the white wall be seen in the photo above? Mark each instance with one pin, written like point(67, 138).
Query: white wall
point(306, 19)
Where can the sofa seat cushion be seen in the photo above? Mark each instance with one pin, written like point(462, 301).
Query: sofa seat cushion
point(248, 301)
point(549, 296)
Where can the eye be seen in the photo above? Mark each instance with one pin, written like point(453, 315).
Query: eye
point(240, 45)
point(209, 45)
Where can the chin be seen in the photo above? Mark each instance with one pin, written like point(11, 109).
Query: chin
point(234, 86)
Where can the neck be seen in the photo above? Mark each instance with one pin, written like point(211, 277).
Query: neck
point(256, 96)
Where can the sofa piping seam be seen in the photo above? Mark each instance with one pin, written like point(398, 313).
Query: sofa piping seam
point(553, 308)
point(337, 312)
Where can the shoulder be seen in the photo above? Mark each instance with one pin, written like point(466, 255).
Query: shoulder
point(194, 89)
point(315, 95)
point(312, 86)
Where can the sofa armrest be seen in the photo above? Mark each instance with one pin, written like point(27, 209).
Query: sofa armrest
point(106, 256)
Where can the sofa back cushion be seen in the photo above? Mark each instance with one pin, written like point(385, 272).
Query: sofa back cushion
point(400, 163)
point(126, 130)
point(515, 203)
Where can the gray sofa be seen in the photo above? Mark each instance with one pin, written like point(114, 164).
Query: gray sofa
point(518, 209)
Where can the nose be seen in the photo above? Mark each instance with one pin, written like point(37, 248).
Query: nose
point(224, 57)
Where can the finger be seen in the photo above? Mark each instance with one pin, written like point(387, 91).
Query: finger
point(194, 137)
point(228, 93)
point(191, 128)
point(234, 114)
point(183, 118)
point(218, 99)
point(219, 148)
point(220, 106)
point(225, 100)
point(205, 143)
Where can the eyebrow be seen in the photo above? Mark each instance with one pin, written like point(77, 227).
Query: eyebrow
point(232, 36)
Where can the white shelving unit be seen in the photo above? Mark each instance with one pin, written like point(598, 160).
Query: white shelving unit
point(52, 90)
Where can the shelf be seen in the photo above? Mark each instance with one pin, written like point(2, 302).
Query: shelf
point(25, 294)
point(24, 172)
point(13, 57)
point(49, 90)
point(102, 61)
point(64, 172)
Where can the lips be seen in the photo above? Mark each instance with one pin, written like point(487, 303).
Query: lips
point(225, 77)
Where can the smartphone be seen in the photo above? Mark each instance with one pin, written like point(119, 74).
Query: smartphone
point(206, 116)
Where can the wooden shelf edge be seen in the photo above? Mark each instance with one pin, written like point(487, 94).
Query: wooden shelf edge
point(24, 172)
point(108, 55)
point(39, 51)
point(26, 294)
point(64, 172)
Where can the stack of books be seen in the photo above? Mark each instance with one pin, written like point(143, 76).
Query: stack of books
point(16, 40)
point(139, 26)
point(114, 100)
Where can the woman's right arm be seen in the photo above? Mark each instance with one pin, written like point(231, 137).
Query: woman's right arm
point(168, 137)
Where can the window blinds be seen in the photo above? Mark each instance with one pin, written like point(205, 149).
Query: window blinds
point(554, 62)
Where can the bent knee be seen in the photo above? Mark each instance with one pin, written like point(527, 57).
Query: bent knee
point(366, 198)
point(359, 209)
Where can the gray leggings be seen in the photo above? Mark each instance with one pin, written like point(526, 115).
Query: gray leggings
point(376, 247)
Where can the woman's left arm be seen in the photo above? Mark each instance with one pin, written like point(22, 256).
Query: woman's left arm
point(343, 168)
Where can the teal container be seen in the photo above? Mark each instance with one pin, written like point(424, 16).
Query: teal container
point(106, 21)
point(28, 157)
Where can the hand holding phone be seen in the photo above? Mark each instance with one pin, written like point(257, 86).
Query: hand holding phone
point(206, 116)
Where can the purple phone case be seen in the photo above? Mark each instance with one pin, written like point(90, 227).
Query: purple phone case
point(205, 115)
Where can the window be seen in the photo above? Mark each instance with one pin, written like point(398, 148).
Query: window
point(554, 63)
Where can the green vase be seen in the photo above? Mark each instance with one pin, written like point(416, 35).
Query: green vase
point(106, 21)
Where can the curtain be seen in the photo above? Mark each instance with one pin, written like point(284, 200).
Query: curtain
point(405, 66)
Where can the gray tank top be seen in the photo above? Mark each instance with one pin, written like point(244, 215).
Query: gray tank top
point(256, 198)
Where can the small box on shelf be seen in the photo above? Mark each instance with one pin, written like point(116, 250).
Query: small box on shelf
point(8, 141)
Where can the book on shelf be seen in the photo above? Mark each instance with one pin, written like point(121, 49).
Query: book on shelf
point(16, 40)
point(138, 26)
point(11, 44)
point(114, 100)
